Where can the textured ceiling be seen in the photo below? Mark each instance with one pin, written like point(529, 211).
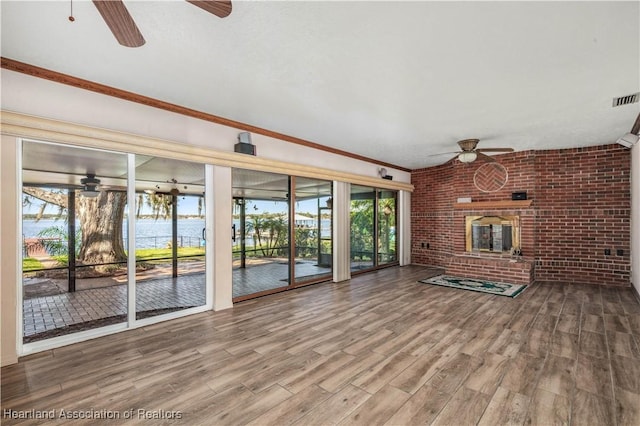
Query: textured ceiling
point(393, 81)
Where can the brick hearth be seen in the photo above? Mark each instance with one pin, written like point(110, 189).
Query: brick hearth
point(502, 269)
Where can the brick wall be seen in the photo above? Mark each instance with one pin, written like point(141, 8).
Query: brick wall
point(581, 206)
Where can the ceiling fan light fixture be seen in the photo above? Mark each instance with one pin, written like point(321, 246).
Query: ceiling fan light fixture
point(467, 157)
point(89, 192)
point(90, 186)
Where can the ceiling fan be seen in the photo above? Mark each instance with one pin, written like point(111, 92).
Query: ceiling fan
point(89, 186)
point(469, 152)
point(124, 28)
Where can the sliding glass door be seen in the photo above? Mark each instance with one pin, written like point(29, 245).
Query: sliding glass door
point(281, 232)
point(313, 218)
point(170, 245)
point(74, 259)
point(260, 232)
point(373, 228)
point(76, 225)
point(363, 203)
point(387, 238)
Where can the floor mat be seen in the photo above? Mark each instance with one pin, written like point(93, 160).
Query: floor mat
point(484, 286)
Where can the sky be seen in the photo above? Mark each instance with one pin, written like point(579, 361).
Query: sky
point(189, 206)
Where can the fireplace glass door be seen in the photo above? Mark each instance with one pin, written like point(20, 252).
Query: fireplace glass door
point(492, 234)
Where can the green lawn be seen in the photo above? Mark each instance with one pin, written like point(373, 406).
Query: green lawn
point(146, 254)
point(30, 264)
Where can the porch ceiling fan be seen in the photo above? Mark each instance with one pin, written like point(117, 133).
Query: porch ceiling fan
point(469, 152)
point(124, 28)
point(89, 186)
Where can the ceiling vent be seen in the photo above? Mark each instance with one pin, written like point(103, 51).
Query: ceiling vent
point(625, 100)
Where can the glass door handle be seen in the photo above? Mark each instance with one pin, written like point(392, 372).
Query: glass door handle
point(233, 234)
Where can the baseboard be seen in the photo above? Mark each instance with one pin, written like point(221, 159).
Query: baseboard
point(8, 359)
point(634, 290)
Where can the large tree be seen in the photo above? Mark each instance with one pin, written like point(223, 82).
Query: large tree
point(100, 221)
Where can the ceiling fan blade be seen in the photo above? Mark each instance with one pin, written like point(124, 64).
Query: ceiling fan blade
point(636, 126)
point(220, 8)
point(113, 188)
point(485, 157)
point(52, 185)
point(444, 153)
point(494, 150)
point(120, 22)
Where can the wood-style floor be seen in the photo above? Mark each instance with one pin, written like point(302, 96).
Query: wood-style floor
point(379, 349)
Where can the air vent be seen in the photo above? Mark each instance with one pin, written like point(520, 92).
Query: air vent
point(625, 100)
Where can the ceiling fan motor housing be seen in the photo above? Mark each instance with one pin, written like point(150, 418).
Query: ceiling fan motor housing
point(468, 144)
point(90, 180)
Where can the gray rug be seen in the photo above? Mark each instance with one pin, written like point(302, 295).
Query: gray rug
point(483, 286)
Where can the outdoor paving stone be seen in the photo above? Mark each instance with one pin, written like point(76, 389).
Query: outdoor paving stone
point(50, 312)
point(155, 294)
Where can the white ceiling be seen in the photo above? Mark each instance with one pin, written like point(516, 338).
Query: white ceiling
point(393, 81)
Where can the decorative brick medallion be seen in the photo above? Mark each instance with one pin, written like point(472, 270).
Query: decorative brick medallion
point(490, 177)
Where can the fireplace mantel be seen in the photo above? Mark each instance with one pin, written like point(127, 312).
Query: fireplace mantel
point(493, 205)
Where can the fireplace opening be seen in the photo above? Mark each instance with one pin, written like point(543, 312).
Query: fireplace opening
point(495, 234)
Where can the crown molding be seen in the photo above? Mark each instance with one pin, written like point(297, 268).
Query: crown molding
point(32, 70)
point(45, 129)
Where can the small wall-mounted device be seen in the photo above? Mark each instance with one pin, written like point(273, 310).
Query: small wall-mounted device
point(628, 140)
point(244, 145)
point(521, 195)
point(383, 174)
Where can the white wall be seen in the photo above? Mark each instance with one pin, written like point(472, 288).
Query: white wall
point(8, 237)
point(635, 217)
point(41, 98)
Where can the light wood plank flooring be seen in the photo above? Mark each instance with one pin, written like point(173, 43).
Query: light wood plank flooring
point(379, 349)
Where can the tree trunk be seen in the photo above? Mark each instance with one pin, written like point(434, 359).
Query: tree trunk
point(101, 226)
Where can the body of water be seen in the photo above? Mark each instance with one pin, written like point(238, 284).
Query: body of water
point(151, 233)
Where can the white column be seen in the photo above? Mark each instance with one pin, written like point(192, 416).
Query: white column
point(131, 239)
point(10, 247)
point(404, 227)
point(219, 210)
point(635, 217)
point(341, 231)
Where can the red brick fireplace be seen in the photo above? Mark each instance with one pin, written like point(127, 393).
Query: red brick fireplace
point(574, 224)
point(496, 264)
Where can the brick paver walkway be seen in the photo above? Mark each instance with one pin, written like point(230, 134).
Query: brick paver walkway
point(50, 312)
point(47, 313)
